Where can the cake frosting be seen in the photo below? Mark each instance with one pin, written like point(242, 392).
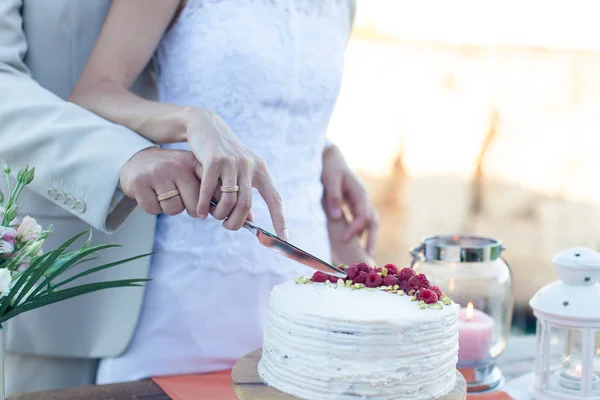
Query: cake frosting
point(326, 341)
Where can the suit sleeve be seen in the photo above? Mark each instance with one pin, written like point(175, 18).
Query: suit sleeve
point(68, 146)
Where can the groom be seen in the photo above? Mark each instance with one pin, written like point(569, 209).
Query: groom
point(80, 160)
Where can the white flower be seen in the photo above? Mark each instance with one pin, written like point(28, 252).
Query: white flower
point(5, 279)
point(28, 230)
point(6, 247)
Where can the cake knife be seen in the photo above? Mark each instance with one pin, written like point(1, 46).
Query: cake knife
point(290, 251)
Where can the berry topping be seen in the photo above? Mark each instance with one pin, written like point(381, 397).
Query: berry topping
point(428, 296)
point(373, 280)
point(390, 280)
point(392, 269)
point(361, 277)
point(364, 267)
point(437, 291)
point(404, 285)
point(352, 272)
point(418, 282)
point(406, 274)
point(322, 277)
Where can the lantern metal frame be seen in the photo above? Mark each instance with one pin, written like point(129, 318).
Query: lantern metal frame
point(569, 305)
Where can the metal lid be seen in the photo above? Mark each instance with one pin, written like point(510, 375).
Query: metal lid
point(460, 248)
point(576, 296)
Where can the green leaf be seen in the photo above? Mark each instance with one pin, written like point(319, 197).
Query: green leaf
point(46, 261)
point(66, 263)
point(17, 287)
point(67, 294)
point(97, 269)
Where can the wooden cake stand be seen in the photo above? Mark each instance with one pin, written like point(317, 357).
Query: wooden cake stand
point(248, 385)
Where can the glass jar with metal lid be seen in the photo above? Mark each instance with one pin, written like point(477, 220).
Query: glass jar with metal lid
point(471, 271)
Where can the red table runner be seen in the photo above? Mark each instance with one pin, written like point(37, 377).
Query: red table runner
point(213, 386)
point(217, 386)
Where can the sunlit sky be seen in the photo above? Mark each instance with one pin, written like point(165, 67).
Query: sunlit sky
point(393, 97)
point(569, 24)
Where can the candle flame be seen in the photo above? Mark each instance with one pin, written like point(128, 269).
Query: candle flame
point(469, 313)
point(578, 370)
point(598, 351)
point(451, 286)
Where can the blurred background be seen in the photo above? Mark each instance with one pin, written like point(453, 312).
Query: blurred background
point(477, 117)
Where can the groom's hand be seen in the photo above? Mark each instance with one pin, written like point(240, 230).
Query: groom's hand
point(341, 186)
point(155, 171)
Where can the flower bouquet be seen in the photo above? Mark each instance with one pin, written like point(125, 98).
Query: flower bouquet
point(30, 278)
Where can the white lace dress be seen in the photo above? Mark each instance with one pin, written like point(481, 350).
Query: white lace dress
point(272, 70)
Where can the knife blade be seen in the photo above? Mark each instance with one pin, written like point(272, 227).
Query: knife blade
point(290, 251)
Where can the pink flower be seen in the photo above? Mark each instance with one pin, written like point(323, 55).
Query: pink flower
point(8, 235)
point(28, 230)
point(6, 249)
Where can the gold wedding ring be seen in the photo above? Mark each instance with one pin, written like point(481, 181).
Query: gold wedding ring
point(168, 195)
point(230, 189)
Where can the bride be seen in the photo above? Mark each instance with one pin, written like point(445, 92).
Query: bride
point(249, 87)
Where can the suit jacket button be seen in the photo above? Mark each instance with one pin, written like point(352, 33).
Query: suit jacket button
point(52, 193)
point(79, 206)
point(70, 201)
point(60, 197)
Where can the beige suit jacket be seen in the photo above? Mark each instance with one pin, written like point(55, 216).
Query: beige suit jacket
point(44, 45)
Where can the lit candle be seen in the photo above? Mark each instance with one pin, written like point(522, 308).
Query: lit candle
point(570, 378)
point(474, 335)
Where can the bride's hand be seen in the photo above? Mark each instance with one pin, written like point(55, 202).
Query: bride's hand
point(227, 162)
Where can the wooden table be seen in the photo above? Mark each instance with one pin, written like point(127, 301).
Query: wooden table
point(516, 360)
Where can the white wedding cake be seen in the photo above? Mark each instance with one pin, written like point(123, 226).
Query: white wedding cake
point(392, 337)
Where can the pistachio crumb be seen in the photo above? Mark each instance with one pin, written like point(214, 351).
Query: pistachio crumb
point(401, 293)
point(396, 287)
point(370, 289)
point(384, 271)
point(422, 306)
point(348, 283)
point(421, 302)
point(414, 298)
point(436, 306)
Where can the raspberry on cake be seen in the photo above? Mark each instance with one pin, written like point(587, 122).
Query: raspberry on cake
point(417, 282)
point(373, 280)
point(392, 269)
point(352, 272)
point(406, 274)
point(364, 267)
point(437, 291)
point(391, 280)
point(428, 296)
point(361, 277)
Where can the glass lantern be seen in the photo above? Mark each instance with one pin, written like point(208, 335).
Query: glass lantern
point(471, 271)
point(568, 329)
